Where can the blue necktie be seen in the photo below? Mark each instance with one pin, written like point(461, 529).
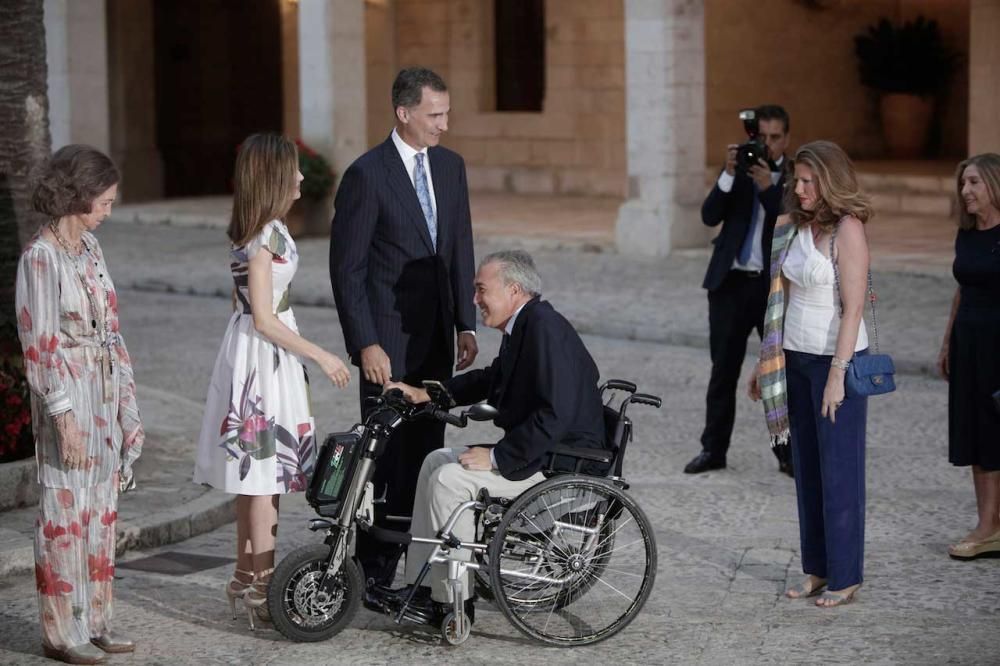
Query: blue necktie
point(424, 195)
point(747, 248)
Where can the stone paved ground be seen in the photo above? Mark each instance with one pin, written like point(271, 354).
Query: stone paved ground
point(727, 540)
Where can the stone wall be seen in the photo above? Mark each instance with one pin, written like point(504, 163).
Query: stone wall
point(781, 52)
point(576, 145)
point(984, 72)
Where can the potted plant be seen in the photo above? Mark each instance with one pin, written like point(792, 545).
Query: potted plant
point(310, 215)
point(908, 65)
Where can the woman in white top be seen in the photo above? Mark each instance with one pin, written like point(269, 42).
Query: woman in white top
point(822, 331)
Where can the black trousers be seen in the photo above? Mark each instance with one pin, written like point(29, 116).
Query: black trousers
point(734, 310)
point(396, 471)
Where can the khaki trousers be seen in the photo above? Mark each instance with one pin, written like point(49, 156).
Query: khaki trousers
point(443, 484)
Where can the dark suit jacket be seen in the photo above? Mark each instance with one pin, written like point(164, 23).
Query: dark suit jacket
point(390, 286)
point(545, 388)
point(734, 209)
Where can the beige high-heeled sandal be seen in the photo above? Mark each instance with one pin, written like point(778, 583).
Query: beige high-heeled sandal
point(236, 588)
point(255, 598)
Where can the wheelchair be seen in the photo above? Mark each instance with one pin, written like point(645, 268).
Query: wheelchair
point(571, 561)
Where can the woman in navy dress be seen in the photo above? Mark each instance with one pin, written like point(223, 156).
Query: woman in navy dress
point(970, 353)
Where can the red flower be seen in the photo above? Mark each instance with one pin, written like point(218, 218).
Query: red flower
point(48, 582)
point(109, 517)
point(31, 353)
point(100, 421)
point(24, 319)
point(65, 498)
point(74, 529)
point(250, 427)
point(51, 531)
point(85, 517)
point(304, 429)
point(101, 567)
point(53, 344)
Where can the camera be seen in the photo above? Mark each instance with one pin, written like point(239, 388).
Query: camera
point(754, 149)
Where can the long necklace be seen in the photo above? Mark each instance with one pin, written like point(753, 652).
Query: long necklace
point(103, 331)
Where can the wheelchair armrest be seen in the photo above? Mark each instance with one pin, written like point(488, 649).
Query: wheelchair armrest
point(596, 455)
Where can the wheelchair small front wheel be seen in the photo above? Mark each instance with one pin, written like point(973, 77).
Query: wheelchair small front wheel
point(449, 630)
point(300, 608)
point(573, 561)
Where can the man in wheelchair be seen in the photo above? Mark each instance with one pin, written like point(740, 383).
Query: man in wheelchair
point(544, 386)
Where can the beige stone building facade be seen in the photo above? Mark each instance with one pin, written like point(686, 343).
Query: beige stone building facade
point(639, 96)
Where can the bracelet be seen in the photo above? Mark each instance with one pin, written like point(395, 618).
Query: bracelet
point(840, 363)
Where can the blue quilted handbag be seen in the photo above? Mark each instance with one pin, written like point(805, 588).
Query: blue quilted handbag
point(868, 374)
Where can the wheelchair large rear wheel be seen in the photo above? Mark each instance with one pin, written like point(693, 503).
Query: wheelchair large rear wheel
point(573, 561)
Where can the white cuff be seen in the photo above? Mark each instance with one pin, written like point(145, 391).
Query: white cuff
point(57, 402)
point(725, 182)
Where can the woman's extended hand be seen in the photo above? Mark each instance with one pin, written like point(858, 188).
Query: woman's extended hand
point(942, 362)
point(833, 394)
point(71, 446)
point(753, 386)
point(334, 368)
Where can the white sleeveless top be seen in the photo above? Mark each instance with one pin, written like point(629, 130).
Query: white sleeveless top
point(812, 318)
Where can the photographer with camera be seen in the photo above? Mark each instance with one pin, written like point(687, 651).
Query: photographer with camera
point(746, 200)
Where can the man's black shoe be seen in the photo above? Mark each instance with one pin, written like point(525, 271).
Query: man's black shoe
point(704, 462)
point(785, 467)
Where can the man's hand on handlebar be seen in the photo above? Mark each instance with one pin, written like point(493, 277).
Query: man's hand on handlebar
point(411, 393)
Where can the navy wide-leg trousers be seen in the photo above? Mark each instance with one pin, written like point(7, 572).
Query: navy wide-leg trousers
point(829, 461)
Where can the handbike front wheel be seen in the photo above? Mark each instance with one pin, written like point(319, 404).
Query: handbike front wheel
point(300, 609)
point(573, 561)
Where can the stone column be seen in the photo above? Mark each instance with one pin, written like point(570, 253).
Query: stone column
point(665, 126)
point(984, 76)
point(77, 56)
point(332, 78)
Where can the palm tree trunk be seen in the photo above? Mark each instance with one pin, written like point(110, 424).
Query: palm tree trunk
point(24, 135)
point(24, 145)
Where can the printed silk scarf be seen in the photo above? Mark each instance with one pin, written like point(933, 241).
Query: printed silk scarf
point(771, 379)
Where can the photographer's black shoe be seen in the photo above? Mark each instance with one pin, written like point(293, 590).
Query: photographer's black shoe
point(704, 462)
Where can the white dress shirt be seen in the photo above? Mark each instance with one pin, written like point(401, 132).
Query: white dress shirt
point(409, 156)
point(756, 260)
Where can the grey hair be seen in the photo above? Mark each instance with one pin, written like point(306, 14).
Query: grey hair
point(516, 267)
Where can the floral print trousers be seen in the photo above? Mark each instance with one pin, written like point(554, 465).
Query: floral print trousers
point(75, 562)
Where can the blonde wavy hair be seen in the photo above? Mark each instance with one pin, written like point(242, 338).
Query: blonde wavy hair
point(988, 165)
point(264, 183)
point(836, 187)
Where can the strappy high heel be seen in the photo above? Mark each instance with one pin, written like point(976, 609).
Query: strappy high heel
point(255, 599)
point(236, 588)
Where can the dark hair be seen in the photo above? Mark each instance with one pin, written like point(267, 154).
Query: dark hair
point(988, 165)
point(837, 190)
point(72, 178)
point(408, 88)
point(264, 182)
point(774, 112)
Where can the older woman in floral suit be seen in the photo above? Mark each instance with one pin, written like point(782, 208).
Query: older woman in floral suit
point(86, 422)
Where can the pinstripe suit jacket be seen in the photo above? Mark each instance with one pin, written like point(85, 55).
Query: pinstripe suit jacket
point(390, 286)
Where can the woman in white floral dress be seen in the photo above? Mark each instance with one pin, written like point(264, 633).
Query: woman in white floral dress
point(257, 439)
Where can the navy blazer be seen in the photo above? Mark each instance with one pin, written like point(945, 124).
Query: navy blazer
point(734, 209)
point(545, 389)
point(390, 285)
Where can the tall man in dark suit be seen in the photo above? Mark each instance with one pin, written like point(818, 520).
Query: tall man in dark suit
point(401, 265)
point(544, 386)
point(747, 204)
